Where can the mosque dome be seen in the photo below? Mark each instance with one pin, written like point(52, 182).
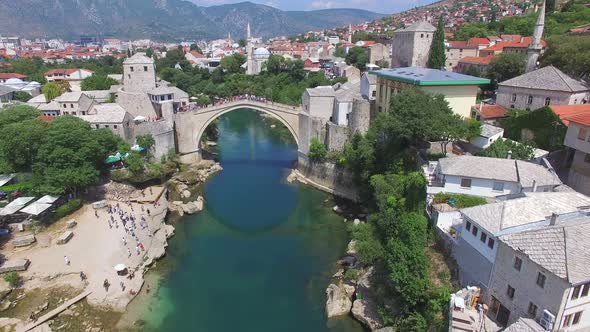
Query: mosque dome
point(14, 81)
point(261, 51)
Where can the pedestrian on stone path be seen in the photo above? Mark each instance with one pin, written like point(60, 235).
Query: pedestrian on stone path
point(137, 250)
point(96, 214)
point(106, 285)
point(124, 241)
point(148, 212)
point(122, 286)
point(128, 253)
point(67, 260)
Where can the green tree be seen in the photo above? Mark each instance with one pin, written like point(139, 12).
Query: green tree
point(149, 53)
point(339, 52)
point(472, 71)
point(12, 278)
point(369, 249)
point(242, 42)
point(357, 57)
point(506, 66)
point(22, 96)
point(233, 63)
point(52, 90)
point(18, 113)
point(382, 63)
point(97, 82)
point(72, 155)
point(436, 57)
point(317, 151)
point(146, 141)
point(467, 31)
point(135, 163)
point(571, 54)
point(195, 47)
point(19, 143)
point(502, 148)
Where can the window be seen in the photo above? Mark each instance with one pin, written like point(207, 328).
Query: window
point(83, 113)
point(513, 97)
point(577, 316)
point(576, 292)
point(547, 101)
point(517, 263)
point(585, 290)
point(567, 320)
point(491, 243)
point(498, 186)
point(483, 237)
point(541, 280)
point(510, 292)
point(106, 126)
point(468, 226)
point(474, 231)
point(582, 133)
point(144, 68)
point(131, 68)
point(529, 100)
point(460, 50)
point(421, 35)
point(65, 105)
point(466, 183)
point(115, 126)
point(71, 105)
point(74, 113)
point(532, 309)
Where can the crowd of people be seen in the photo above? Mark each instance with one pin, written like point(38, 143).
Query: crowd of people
point(195, 107)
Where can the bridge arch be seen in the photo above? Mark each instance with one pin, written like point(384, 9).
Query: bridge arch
point(190, 126)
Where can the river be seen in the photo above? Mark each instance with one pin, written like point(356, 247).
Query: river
point(259, 257)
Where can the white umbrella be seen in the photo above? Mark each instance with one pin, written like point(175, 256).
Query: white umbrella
point(120, 267)
point(140, 118)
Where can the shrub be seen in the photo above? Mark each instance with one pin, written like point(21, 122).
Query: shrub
point(459, 201)
point(351, 274)
point(317, 151)
point(67, 208)
point(12, 278)
point(22, 186)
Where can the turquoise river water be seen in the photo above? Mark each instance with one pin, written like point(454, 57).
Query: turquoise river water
point(259, 257)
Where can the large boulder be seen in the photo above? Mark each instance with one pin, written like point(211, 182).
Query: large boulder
point(185, 194)
point(365, 311)
point(351, 250)
point(339, 299)
point(190, 208)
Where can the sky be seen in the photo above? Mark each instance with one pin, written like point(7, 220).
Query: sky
point(379, 6)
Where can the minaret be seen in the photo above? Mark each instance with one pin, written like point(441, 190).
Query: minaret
point(350, 33)
point(249, 59)
point(535, 48)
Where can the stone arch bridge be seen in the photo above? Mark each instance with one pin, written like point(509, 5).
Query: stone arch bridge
point(191, 125)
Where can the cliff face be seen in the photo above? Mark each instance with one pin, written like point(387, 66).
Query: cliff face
point(161, 19)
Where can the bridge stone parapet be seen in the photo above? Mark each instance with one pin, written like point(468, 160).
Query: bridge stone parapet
point(190, 126)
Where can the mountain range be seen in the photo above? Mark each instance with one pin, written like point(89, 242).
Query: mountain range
point(163, 19)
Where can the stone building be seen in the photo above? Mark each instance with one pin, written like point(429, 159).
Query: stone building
point(542, 87)
point(139, 73)
point(459, 90)
point(542, 273)
point(256, 57)
point(411, 46)
point(378, 52)
point(112, 117)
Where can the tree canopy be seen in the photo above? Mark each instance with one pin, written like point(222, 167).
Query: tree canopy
point(506, 66)
point(437, 57)
point(97, 82)
point(357, 56)
point(571, 54)
point(52, 90)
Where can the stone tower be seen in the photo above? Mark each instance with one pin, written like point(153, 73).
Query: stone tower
point(249, 50)
point(535, 48)
point(139, 73)
point(350, 33)
point(411, 46)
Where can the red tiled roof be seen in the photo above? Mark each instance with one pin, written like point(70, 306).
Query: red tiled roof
point(45, 118)
point(491, 111)
point(458, 43)
point(583, 119)
point(197, 54)
point(479, 41)
point(567, 112)
point(485, 60)
point(5, 76)
point(518, 43)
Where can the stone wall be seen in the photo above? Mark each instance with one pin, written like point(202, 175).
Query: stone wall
point(360, 117)
point(328, 176)
point(136, 103)
point(336, 136)
point(163, 133)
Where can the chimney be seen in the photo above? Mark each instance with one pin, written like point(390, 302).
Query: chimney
point(553, 219)
point(509, 154)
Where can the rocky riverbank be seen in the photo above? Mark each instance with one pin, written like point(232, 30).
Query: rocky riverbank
point(186, 185)
point(97, 245)
point(351, 291)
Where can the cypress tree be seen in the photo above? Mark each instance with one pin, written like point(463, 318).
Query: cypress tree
point(437, 57)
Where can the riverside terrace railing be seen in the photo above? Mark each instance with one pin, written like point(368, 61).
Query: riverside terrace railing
point(245, 101)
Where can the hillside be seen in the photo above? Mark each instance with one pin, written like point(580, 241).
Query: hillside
point(161, 19)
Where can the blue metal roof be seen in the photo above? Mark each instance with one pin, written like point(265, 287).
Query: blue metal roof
point(428, 76)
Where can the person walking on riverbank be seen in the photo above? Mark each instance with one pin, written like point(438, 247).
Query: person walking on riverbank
point(67, 260)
